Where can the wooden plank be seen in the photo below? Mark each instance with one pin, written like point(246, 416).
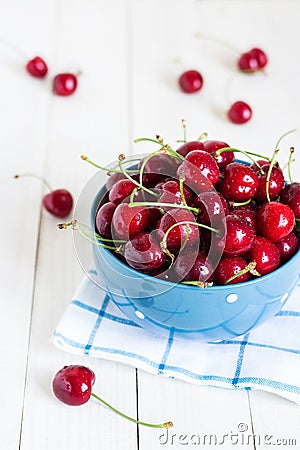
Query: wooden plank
point(23, 109)
point(275, 421)
point(93, 121)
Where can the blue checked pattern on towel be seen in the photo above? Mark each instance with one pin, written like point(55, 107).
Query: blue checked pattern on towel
point(266, 358)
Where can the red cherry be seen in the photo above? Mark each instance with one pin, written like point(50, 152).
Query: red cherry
point(239, 236)
point(275, 220)
point(64, 84)
point(113, 178)
point(265, 254)
point(287, 246)
point(224, 158)
point(261, 57)
point(200, 170)
point(171, 193)
point(121, 191)
point(248, 62)
point(104, 218)
point(193, 266)
point(188, 147)
point(239, 112)
point(261, 163)
point(58, 202)
point(158, 167)
point(180, 234)
point(276, 184)
point(230, 266)
point(253, 60)
point(129, 221)
point(73, 385)
point(247, 213)
point(291, 196)
point(37, 67)
point(143, 252)
point(240, 182)
point(213, 207)
point(190, 81)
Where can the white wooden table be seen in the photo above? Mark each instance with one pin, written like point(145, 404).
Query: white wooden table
point(130, 53)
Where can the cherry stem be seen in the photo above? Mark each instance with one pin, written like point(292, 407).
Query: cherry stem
point(184, 129)
point(290, 162)
point(233, 204)
point(181, 180)
point(249, 268)
point(146, 424)
point(217, 40)
point(202, 137)
point(244, 152)
point(33, 175)
point(94, 238)
point(283, 136)
point(163, 205)
point(140, 185)
point(201, 284)
point(160, 142)
point(163, 242)
point(112, 170)
point(275, 153)
point(142, 169)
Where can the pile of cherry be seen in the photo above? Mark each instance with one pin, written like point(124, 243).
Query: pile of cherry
point(235, 221)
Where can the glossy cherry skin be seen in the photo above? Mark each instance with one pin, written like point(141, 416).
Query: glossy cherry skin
point(72, 385)
point(265, 254)
point(104, 219)
point(247, 213)
point(230, 266)
point(129, 221)
point(275, 220)
point(113, 178)
point(276, 184)
point(291, 196)
point(213, 208)
point(188, 147)
point(239, 183)
point(180, 234)
point(121, 191)
point(239, 236)
point(64, 84)
point(158, 167)
point(287, 246)
point(253, 60)
point(224, 158)
point(190, 81)
point(261, 163)
point(37, 67)
point(239, 113)
point(171, 193)
point(143, 252)
point(200, 171)
point(193, 266)
point(58, 202)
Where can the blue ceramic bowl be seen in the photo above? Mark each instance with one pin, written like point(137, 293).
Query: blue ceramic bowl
point(214, 313)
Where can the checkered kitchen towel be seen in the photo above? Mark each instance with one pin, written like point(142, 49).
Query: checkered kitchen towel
point(266, 358)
